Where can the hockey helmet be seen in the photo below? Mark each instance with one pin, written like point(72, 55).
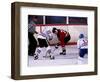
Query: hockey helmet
point(54, 30)
point(81, 35)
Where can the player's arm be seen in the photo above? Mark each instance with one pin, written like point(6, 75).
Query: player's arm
point(78, 44)
point(50, 36)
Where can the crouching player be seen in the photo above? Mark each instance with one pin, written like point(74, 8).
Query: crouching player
point(64, 37)
point(82, 45)
point(43, 40)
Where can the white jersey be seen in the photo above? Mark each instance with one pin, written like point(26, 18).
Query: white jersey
point(46, 34)
point(82, 43)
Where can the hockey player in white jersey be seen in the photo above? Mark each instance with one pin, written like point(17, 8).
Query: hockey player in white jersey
point(82, 45)
point(43, 40)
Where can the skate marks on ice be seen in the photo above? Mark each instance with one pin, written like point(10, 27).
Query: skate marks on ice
point(71, 58)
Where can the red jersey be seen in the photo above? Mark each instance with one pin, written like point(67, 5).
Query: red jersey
point(61, 36)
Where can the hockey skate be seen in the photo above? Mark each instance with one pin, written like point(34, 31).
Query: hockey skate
point(63, 53)
point(35, 57)
point(52, 57)
point(49, 56)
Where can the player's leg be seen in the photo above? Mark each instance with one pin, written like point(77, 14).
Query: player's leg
point(63, 51)
point(56, 48)
point(82, 53)
point(86, 51)
point(49, 53)
point(48, 50)
point(40, 48)
point(66, 40)
point(43, 44)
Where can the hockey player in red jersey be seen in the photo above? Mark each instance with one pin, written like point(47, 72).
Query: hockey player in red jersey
point(63, 37)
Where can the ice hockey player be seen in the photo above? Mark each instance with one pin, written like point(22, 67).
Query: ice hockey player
point(82, 45)
point(43, 40)
point(64, 37)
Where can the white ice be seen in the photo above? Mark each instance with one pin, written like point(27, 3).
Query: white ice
point(71, 58)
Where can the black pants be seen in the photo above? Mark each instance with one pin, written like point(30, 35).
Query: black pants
point(42, 42)
point(82, 52)
point(66, 39)
point(32, 44)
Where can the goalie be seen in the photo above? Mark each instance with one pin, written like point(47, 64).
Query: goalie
point(63, 36)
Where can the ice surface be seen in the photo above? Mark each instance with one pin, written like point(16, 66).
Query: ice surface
point(71, 57)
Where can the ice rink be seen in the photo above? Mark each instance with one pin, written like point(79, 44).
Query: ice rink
point(71, 58)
